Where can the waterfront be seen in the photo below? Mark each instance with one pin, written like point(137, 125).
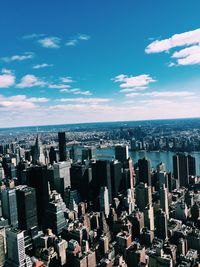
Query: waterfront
point(155, 157)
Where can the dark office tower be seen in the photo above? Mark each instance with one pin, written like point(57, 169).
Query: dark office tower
point(103, 244)
point(1, 149)
point(9, 206)
point(15, 248)
point(143, 196)
point(192, 165)
point(26, 204)
point(37, 177)
point(101, 176)
point(88, 153)
point(52, 155)
point(54, 215)
point(62, 146)
point(161, 224)
point(144, 171)
point(137, 220)
point(20, 167)
point(181, 169)
point(116, 177)
point(121, 153)
point(6, 163)
point(27, 155)
point(81, 177)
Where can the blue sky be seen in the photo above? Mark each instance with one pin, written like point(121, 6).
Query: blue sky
point(85, 61)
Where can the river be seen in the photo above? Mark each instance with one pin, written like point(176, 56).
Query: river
point(155, 157)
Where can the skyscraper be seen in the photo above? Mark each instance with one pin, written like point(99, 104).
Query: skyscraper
point(52, 155)
point(27, 206)
point(161, 224)
point(192, 165)
point(2, 246)
point(9, 206)
point(60, 173)
point(101, 176)
point(88, 153)
point(121, 153)
point(104, 201)
point(37, 152)
point(116, 177)
point(144, 171)
point(143, 196)
point(62, 145)
point(164, 200)
point(181, 169)
point(37, 177)
point(15, 248)
point(81, 177)
point(54, 214)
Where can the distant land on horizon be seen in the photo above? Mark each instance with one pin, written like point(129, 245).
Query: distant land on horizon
point(93, 125)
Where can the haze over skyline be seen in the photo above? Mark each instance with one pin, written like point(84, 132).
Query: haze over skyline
point(92, 61)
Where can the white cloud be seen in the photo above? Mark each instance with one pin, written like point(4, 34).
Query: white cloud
point(139, 82)
point(44, 113)
point(33, 36)
point(82, 92)
point(66, 79)
point(171, 94)
point(86, 100)
point(30, 80)
point(15, 102)
point(50, 42)
point(39, 99)
point(163, 94)
point(6, 71)
point(133, 94)
point(58, 86)
point(186, 56)
point(7, 78)
point(182, 39)
point(83, 37)
point(72, 42)
point(76, 91)
point(129, 90)
point(65, 91)
point(24, 56)
point(77, 39)
point(171, 64)
point(43, 65)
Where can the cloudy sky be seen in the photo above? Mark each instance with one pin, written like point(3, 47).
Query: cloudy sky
point(72, 61)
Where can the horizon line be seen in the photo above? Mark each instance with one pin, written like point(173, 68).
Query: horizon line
point(95, 122)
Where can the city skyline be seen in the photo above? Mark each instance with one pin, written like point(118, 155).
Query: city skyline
point(93, 62)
